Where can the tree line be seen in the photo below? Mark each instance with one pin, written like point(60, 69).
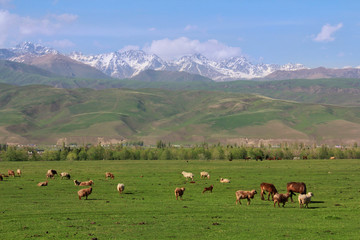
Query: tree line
point(164, 151)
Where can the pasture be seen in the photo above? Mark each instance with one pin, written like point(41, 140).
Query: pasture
point(148, 209)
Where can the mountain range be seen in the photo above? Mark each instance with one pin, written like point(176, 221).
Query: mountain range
point(127, 64)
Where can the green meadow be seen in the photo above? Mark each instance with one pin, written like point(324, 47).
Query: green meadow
point(147, 209)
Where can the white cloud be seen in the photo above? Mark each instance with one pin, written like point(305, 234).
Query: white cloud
point(190, 27)
point(326, 33)
point(170, 49)
point(152, 29)
point(15, 27)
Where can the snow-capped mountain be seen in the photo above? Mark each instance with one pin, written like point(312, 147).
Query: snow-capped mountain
point(130, 63)
point(127, 64)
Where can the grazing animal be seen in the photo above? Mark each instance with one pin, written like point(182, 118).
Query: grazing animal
point(120, 187)
point(11, 173)
point(208, 189)
point(54, 172)
point(268, 187)
point(281, 198)
point(77, 183)
point(65, 175)
point(298, 187)
point(109, 175)
point(41, 184)
point(87, 183)
point(305, 199)
point(245, 195)
point(1, 177)
point(18, 171)
point(188, 175)
point(179, 192)
point(84, 192)
point(49, 175)
point(224, 180)
point(205, 175)
point(332, 157)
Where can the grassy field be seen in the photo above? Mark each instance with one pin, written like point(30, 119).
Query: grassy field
point(148, 209)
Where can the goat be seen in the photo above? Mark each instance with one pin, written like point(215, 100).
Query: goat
point(270, 188)
point(298, 187)
point(281, 198)
point(40, 184)
point(208, 189)
point(305, 199)
point(244, 194)
point(84, 192)
point(179, 192)
point(109, 175)
point(120, 187)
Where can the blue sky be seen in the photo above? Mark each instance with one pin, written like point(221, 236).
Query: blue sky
point(314, 33)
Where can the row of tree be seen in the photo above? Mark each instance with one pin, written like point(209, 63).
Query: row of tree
point(168, 152)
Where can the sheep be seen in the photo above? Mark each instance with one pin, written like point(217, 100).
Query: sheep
point(120, 187)
point(65, 175)
point(179, 192)
point(224, 180)
point(208, 189)
point(18, 171)
point(49, 175)
point(11, 173)
point(245, 195)
point(77, 183)
point(54, 172)
point(109, 175)
point(270, 188)
point(87, 183)
point(205, 175)
point(298, 187)
point(85, 192)
point(41, 184)
point(305, 199)
point(281, 198)
point(188, 175)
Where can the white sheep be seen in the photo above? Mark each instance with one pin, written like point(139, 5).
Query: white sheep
point(224, 180)
point(305, 199)
point(204, 175)
point(120, 187)
point(188, 175)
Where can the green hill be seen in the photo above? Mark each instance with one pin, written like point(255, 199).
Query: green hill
point(42, 114)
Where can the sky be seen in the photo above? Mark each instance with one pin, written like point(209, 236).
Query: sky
point(311, 32)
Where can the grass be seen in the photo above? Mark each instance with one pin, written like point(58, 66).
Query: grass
point(148, 209)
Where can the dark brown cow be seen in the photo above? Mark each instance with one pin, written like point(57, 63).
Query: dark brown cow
point(298, 187)
point(208, 189)
point(268, 187)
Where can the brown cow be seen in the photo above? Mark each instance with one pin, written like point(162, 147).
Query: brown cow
point(298, 187)
point(270, 188)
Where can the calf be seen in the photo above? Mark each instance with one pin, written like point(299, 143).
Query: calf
point(179, 192)
point(208, 189)
point(281, 198)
